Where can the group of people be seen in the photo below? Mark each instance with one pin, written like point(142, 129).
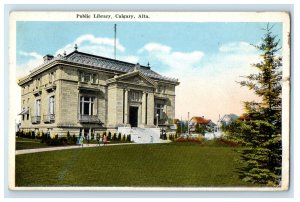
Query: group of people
point(100, 140)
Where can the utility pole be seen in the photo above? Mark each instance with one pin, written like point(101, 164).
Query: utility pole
point(188, 122)
point(115, 50)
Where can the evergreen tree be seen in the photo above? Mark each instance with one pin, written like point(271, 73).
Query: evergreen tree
point(262, 159)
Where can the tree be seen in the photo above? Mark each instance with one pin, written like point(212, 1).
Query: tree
point(262, 159)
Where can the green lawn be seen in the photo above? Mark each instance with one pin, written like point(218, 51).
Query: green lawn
point(26, 143)
point(174, 164)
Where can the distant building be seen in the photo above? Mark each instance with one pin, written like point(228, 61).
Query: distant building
point(201, 121)
point(83, 94)
point(226, 120)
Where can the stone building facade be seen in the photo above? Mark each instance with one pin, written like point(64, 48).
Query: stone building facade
point(85, 94)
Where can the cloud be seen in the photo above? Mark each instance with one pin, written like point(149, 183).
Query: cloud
point(94, 45)
point(32, 60)
point(237, 47)
point(208, 84)
point(172, 60)
point(86, 43)
point(31, 54)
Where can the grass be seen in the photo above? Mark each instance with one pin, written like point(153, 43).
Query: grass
point(26, 143)
point(174, 164)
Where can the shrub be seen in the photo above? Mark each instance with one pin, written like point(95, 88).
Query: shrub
point(74, 139)
point(124, 138)
point(68, 136)
point(128, 138)
point(227, 142)
point(109, 136)
point(32, 134)
point(114, 137)
point(62, 141)
point(199, 139)
point(119, 137)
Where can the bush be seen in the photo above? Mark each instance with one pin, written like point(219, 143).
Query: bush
point(199, 139)
point(109, 136)
point(124, 138)
point(119, 137)
point(128, 138)
point(114, 137)
point(227, 142)
point(32, 135)
point(68, 136)
point(74, 140)
point(63, 141)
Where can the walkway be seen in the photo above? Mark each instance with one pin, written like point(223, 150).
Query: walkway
point(28, 151)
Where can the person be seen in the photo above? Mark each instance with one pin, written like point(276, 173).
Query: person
point(104, 140)
point(100, 140)
point(81, 141)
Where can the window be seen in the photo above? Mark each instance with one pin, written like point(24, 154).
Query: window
point(86, 105)
point(160, 111)
point(38, 107)
point(51, 102)
point(94, 78)
point(86, 77)
point(135, 96)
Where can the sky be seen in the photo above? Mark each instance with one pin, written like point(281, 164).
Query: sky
point(207, 58)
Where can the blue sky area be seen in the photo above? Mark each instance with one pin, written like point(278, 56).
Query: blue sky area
point(207, 58)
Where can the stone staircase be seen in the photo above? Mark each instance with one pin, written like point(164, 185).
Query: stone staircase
point(142, 135)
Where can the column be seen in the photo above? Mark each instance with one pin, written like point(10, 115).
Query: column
point(150, 110)
point(165, 113)
point(126, 108)
point(144, 109)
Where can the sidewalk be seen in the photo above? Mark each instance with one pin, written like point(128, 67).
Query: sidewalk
point(28, 151)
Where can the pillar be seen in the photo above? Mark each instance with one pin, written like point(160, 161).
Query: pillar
point(150, 109)
point(126, 108)
point(144, 109)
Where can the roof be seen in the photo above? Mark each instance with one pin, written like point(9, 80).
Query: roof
point(201, 120)
point(104, 63)
point(231, 117)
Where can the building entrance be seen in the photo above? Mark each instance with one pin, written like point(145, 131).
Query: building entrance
point(133, 116)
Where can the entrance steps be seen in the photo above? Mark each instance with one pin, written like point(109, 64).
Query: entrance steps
point(141, 135)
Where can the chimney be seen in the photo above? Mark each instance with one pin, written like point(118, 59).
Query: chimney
point(48, 57)
point(137, 67)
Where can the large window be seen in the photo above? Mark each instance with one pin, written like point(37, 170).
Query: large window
point(38, 107)
point(51, 103)
point(86, 105)
point(160, 111)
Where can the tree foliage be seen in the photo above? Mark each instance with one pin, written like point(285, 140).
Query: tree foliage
point(261, 159)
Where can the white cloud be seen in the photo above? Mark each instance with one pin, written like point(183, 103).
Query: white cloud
point(31, 54)
point(207, 85)
point(88, 43)
point(34, 59)
point(237, 47)
point(173, 60)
